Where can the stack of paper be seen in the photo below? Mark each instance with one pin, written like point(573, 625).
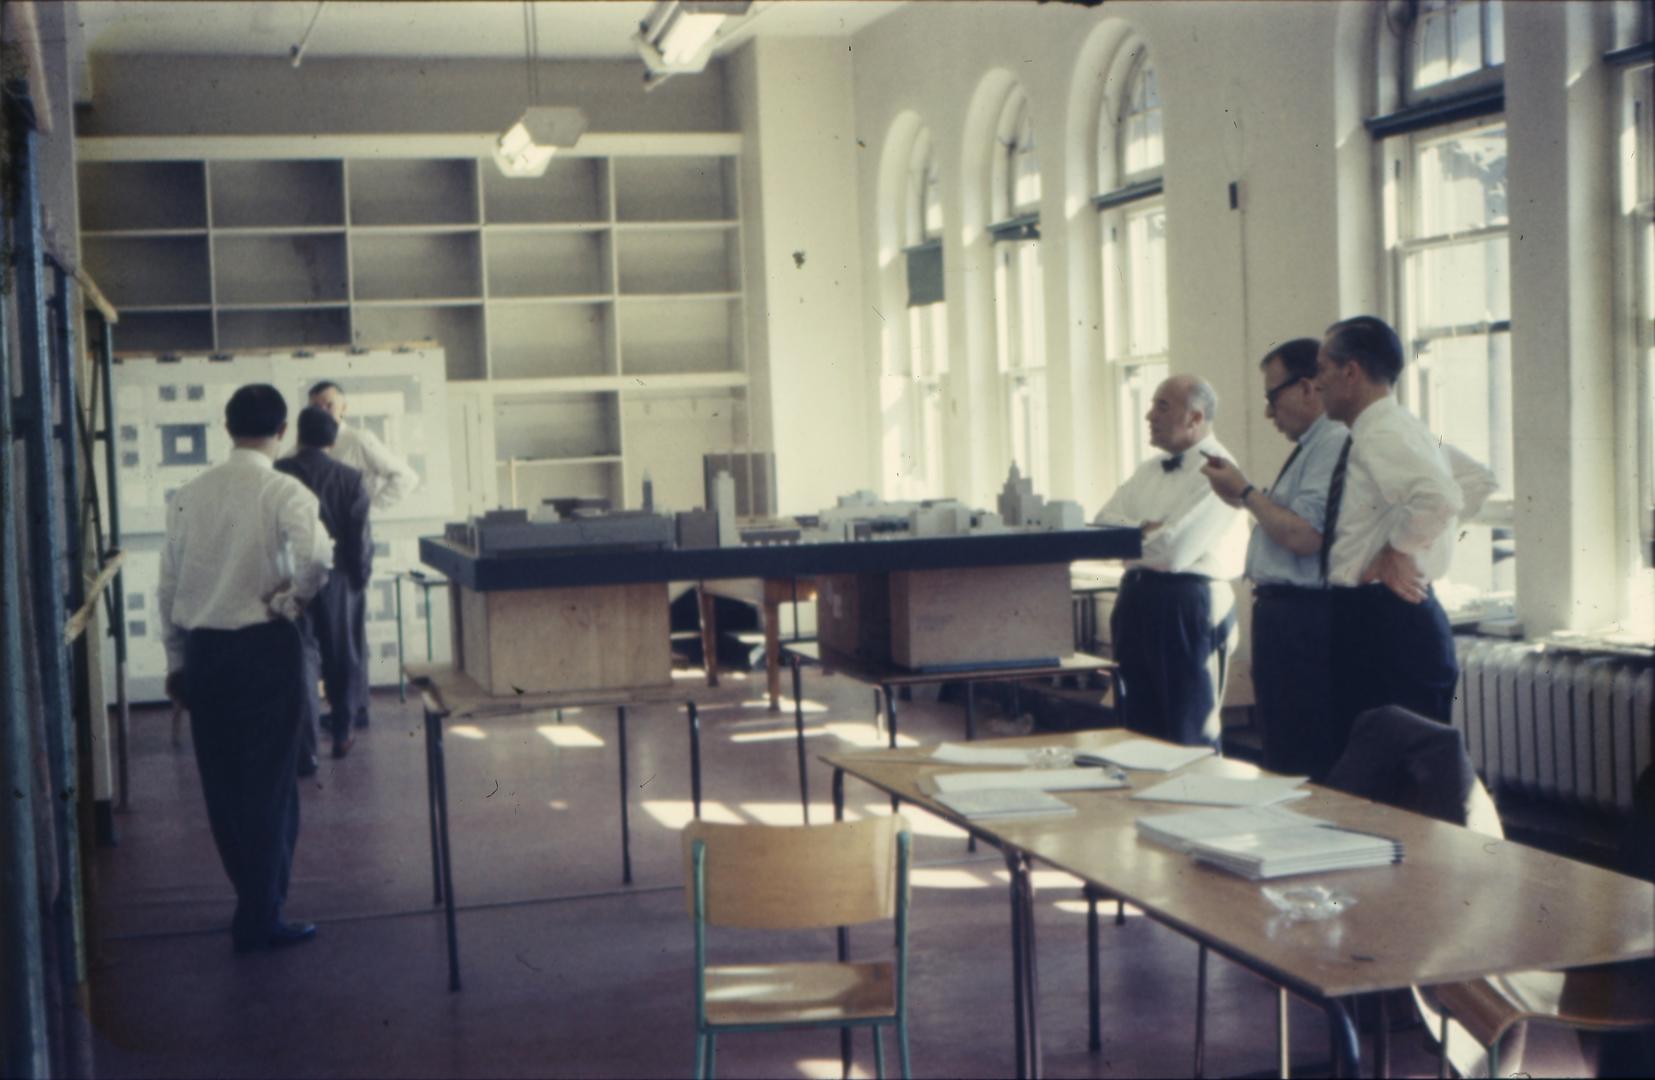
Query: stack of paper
point(1003, 802)
point(1027, 780)
point(1225, 790)
point(955, 754)
point(1261, 842)
point(1146, 754)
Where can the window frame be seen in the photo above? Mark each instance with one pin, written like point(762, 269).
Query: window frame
point(1486, 74)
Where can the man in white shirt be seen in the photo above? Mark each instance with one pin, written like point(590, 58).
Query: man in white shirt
point(1291, 608)
point(245, 551)
point(1392, 506)
point(388, 480)
point(1174, 621)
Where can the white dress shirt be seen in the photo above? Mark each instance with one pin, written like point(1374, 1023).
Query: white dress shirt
point(1199, 533)
point(387, 477)
point(1399, 490)
point(245, 544)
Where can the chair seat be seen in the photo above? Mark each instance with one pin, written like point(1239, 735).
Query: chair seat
point(742, 994)
point(1613, 997)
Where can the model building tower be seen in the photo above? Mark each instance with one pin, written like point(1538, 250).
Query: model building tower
point(1019, 505)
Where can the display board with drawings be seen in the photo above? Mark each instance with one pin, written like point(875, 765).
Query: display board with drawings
point(169, 420)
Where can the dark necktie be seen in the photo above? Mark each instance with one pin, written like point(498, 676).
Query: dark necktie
point(1288, 464)
point(1172, 463)
point(1335, 496)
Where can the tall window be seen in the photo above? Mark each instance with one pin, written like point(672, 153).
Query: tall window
point(927, 322)
point(1133, 227)
point(1637, 266)
point(1019, 307)
point(1446, 231)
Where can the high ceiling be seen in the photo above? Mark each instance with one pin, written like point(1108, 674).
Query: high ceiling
point(450, 28)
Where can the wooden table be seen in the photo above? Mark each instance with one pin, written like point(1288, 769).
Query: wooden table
point(767, 594)
point(1461, 905)
point(448, 694)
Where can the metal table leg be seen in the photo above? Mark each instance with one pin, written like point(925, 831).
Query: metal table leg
point(695, 759)
point(431, 808)
point(970, 734)
point(1284, 1053)
point(843, 933)
point(1019, 1005)
point(626, 825)
point(1347, 1052)
point(1198, 1070)
point(402, 673)
point(433, 722)
point(890, 723)
point(1094, 992)
point(799, 735)
point(1031, 976)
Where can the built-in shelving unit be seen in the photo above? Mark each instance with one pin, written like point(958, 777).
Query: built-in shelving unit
point(592, 319)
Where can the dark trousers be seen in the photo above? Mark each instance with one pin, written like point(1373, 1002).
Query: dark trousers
point(335, 629)
point(1171, 656)
point(1292, 653)
point(246, 696)
point(1387, 651)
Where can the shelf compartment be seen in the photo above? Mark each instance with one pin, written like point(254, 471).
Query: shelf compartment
point(149, 271)
point(557, 426)
point(664, 336)
point(278, 328)
point(674, 189)
point(547, 264)
point(667, 435)
point(425, 266)
point(459, 330)
point(529, 341)
point(163, 332)
point(304, 268)
point(531, 485)
point(573, 190)
point(668, 261)
point(128, 195)
point(267, 194)
point(413, 192)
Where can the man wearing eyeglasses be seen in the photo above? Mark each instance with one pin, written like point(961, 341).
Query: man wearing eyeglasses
point(1291, 612)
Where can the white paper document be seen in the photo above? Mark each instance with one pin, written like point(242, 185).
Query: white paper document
point(1226, 790)
point(1005, 803)
point(1027, 780)
point(956, 754)
point(1149, 755)
point(1181, 831)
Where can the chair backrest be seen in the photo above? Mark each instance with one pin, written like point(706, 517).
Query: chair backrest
point(796, 877)
point(1410, 761)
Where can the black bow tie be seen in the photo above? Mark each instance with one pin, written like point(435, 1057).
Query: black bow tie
point(1173, 463)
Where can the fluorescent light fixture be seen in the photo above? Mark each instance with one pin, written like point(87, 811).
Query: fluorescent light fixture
point(678, 36)
point(528, 145)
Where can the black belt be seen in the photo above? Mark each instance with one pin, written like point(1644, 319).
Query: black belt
point(1284, 592)
point(1142, 573)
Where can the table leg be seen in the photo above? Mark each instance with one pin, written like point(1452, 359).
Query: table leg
point(1284, 1052)
point(1199, 1067)
point(431, 808)
point(843, 933)
point(799, 737)
point(434, 725)
point(1017, 868)
point(838, 794)
point(1094, 990)
point(430, 641)
point(890, 724)
point(970, 734)
point(1347, 1052)
point(402, 673)
point(1382, 1039)
point(709, 636)
point(695, 758)
point(772, 648)
point(1031, 974)
point(626, 825)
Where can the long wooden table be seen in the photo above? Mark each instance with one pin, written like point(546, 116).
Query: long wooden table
point(1459, 906)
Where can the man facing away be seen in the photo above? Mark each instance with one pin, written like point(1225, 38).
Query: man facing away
point(331, 647)
point(1174, 620)
point(1392, 503)
point(1291, 609)
point(245, 551)
point(388, 479)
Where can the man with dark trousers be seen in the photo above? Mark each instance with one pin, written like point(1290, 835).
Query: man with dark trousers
point(245, 551)
point(331, 646)
point(1292, 616)
point(1391, 509)
point(1174, 622)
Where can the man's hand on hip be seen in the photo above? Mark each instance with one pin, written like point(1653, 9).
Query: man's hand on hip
point(1399, 573)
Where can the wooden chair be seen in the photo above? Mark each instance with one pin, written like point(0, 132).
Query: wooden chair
point(799, 877)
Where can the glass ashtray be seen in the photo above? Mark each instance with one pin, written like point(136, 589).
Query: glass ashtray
point(1052, 757)
point(1308, 902)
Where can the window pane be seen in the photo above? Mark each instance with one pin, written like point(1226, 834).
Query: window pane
point(937, 315)
point(1146, 245)
point(1494, 45)
point(1031, 305)
point(1004, 302)
point(934, 470)
point(1466, 34)
point(1466, 397)
point(1136, 390)
point(1460, 284)
point(1026, 405)
point(1431, 65)
point(1461, 181)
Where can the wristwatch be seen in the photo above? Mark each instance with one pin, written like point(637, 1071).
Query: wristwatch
point(1246, 491)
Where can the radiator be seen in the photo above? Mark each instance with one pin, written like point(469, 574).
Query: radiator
point(1565, 727)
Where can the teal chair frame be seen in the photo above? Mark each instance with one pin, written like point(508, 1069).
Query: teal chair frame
point(706, 1034)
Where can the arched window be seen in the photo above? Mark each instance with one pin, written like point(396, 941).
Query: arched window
point(927, 390)
point(1020, 332)
point(1133, 226)
point(1445, 225)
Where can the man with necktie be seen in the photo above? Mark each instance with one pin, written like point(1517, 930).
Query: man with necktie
point(1391, 510)
point(245, 551)
point(1291, 608)
point(1174, 620)
point(331, 648)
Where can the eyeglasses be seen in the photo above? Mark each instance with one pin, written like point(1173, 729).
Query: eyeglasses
point(1270, 396)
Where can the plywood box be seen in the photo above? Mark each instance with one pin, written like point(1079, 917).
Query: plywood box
point(980, 615)
point(853, 615)
point(607, 637)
